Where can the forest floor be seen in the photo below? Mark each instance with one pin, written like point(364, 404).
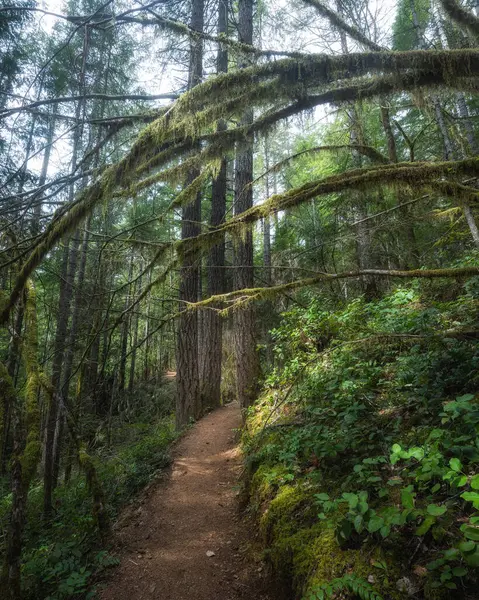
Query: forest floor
point(186, 537)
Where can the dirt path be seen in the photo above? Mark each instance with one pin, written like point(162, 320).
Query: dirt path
point(195, 512)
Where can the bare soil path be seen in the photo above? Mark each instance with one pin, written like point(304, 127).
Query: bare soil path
point(168, 539)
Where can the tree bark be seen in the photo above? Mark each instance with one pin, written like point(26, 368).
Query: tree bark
point(215, 261)
point(188, 404)
point(244, 321)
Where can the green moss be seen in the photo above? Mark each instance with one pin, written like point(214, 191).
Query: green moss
point(304, 552)
point(329, 561)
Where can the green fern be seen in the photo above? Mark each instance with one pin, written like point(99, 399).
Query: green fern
point(347, 583)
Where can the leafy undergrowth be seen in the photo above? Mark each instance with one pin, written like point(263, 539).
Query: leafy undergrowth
point(363, 452)
point(63, 560)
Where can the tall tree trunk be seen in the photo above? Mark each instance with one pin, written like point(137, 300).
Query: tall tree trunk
point(27, 448)
point(188, 404)
point(125, 331)
point(70, 352)
point(244, 322)
point(136, 319)
point(215, 262)
point(412, 258)
point(363, 236)
point(67, 275)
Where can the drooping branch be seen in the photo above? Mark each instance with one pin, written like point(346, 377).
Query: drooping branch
point(239, 297)
point(405, 174)
point(176, 132)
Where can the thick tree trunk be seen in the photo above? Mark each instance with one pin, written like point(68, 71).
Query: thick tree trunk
point(212, 322)
point(363, 235)
point(244, 321)
point(188, 404)
point(27, 448)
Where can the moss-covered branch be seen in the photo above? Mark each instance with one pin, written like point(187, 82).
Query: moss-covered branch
point(240, 297)
point(412, 175)
point(176, 133)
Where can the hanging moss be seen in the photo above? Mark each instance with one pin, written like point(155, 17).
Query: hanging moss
point(239, 298)
point(181, 130)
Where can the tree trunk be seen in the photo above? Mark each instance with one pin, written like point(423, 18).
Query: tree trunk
point(412, 258)
point(70, 351)
point(66, 290)
point(188, 403)
point(244, 322)
point(124, 331)
point(136, 318)
point(215, 262)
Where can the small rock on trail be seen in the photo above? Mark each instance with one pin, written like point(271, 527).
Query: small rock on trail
point(196, 541)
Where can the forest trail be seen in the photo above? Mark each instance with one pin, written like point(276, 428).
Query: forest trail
point(194, 512)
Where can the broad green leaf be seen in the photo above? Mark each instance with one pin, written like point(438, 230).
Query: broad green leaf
point(352, 499)
point(472, 559)
point(385, 531)
point(471, 497)
point(475, 482)
point(375, 524)
point(358, 523)
point(455, 464)
point(467, 546)
point(451, 585)
point(465, 398)
point(459, 571)
point(416, 452)
point(407, 498)
point(363, 507)
point(471, 533)
point(435, 510)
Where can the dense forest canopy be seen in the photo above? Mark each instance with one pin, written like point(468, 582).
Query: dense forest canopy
point(278, 203)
